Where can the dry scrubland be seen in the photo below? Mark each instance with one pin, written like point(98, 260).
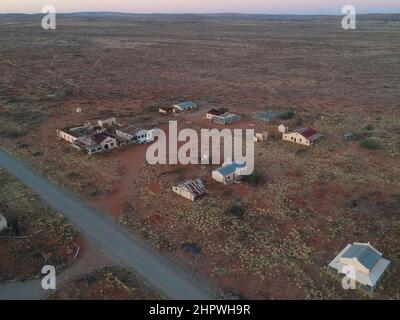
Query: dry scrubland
point(104, 284)
point(36, 235)
point(309, 203)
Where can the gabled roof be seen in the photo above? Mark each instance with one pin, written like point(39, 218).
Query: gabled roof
point(231, 168)
point(185, 105)
point(364, 253)
point(309, 133)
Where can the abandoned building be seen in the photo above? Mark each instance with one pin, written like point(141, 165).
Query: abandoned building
point(135, 134)
point(260, 136)
point(229, 173)
point(226, 118)
point(283, 128)
point(362, 263)
point(213, 112)
point(185, 106)
point(190, 189)
point(110, 122)
point(3, 222)
point(267, 116)
point(304, 136)
point(95, 143)
point(167, 110)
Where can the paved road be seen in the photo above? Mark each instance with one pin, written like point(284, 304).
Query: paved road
point(112, 238)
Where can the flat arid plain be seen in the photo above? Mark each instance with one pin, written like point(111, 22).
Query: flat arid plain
point(305, 206)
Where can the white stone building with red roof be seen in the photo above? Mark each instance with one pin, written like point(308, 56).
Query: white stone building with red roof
point(305, 136)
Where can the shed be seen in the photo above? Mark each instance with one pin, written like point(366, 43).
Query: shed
point(189, 189)
point(283, 128)
point(261, 136)
point(229, 173)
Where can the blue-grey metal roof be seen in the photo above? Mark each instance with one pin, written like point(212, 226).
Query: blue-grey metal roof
point(186, 105)
point(267, 115)
point(231, 168)
point(366, 255)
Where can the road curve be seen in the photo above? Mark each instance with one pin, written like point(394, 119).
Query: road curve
point(112, 238)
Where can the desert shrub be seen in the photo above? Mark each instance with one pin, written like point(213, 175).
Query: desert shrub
point(37, 153)
point(369, 127)
point(151, 108)
point(370, 144)
point(178, 170)
point(287, 115)
point(254, 179)
point(235, 209)
point(300, 151)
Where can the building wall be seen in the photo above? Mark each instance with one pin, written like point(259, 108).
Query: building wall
point(223, 179)
point(209, 116)
point(295, 138)
point(109, 122)
point(66, 136)
point(124, 135)
point(184, 193)
point(109, 143)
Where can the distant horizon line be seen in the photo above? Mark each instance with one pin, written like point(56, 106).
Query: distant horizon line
point(198, 13)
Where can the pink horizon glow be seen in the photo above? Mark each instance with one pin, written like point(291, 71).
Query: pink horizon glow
point(203, 6)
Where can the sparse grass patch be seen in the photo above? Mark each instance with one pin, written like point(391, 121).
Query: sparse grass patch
point(370, 144)
point(254, 179)
point(235, 209)
point(287, 115)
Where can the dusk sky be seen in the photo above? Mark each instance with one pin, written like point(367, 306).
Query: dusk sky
point(203, 6)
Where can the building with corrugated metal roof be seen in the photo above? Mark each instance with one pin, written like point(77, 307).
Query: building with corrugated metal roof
point(229, 173)
point(362, 263)
point(305, 136)
point(190, 189)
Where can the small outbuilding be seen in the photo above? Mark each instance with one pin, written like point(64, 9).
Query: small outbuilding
point(362, 263)
point(229, 173)
point(283, 128)
point(189, 189)
point(261, 136)
point(3, 222)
